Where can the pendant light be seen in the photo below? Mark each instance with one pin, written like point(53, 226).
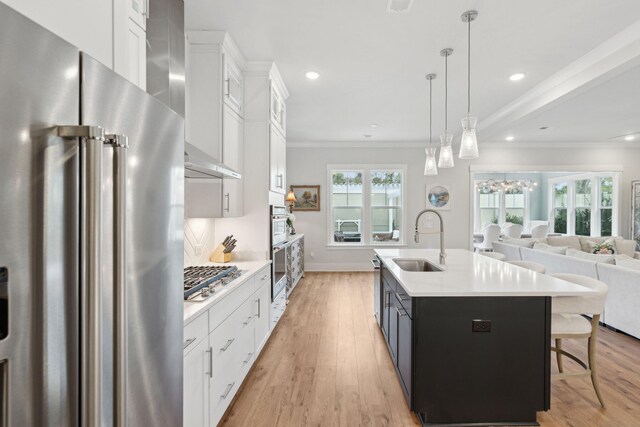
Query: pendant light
point(446, 153)
point(469, 142)
point(430, 167)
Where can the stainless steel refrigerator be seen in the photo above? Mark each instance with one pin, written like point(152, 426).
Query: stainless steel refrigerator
point(91, 240)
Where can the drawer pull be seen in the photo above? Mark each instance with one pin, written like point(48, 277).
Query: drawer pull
point(249, 356)
point(401, 313)
point(226, 346)
point(188, 342)
point(227, 390)
point(264, 277)
point(210, 373)
point(246, 322)
point(259, 310)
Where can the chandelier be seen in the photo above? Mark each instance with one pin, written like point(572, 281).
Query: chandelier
point(506, 185)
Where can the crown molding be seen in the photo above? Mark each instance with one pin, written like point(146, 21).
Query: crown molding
point(488, 144)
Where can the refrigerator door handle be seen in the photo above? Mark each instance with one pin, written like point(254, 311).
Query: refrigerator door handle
point(91, 139)
point(120, 145)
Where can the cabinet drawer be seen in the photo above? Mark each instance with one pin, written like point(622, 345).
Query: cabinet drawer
point(228, 305)
point(405, 300)
point(262, 278)
point(195, 331)
point(228, 339)
point(222, 390)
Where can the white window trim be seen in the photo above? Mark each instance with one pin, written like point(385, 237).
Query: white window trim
point(502, 208)
point(595, 202)
point(365, 225)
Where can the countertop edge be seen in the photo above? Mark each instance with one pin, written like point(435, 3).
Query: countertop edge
point(255, 266)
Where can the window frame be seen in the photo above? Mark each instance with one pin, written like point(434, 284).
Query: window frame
point(366, 207)
point(596, 195)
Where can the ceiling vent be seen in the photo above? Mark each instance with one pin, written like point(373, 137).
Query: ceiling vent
point(399, 5)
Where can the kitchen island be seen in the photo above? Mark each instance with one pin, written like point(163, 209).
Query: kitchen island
point(470, 340)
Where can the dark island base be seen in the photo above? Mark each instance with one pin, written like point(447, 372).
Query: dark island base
point(425, 424)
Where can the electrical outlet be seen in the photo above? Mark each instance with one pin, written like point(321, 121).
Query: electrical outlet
point(480, 325)
point(197, 249)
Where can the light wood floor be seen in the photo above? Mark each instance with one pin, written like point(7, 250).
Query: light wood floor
point(326, 364)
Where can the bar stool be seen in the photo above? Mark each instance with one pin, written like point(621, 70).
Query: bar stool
point(494, 255)
point(490, 234)
point(567, 322)
point(530, 265)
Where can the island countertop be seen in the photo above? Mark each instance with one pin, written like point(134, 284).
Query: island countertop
point(470, 274)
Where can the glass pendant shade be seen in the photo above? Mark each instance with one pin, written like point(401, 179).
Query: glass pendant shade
point(430, 167)
point(446, 153)
point(469, 143)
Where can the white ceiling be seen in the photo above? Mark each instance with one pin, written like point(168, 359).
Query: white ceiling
point(372, 65)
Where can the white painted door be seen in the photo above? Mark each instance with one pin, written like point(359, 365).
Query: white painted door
point(274, 174)
point(233, 155)
point(233, 85)
point(196, 385)
point(282, 162)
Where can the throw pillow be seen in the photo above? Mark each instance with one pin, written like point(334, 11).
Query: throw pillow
point(626, 247)
point(604, 248)
point(561, 250)
point(525, 243)
point(604, 259)
point(570, 241)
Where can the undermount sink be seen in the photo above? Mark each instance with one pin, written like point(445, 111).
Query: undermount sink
point(416, 264)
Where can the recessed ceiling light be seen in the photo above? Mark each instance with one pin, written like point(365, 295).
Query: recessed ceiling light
point(366, 135)
point(312, 75)
point(374, 125)
point(510, 138)
point(629, 138)
point(516, 77)
point(544, 127)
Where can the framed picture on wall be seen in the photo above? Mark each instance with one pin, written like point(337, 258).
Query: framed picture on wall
point(439, 197)
point(635, 213)
point(307, 197)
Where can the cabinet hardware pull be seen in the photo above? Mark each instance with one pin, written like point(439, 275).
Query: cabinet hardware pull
point(210, 373)
point(227, 84)
point(248, 358)
point(400, 313)
point(228, 196)
point(386, 298)
point(227, 390)
point(259, 310)
point(264, 277)
point(403, 299)
point(226, 346)
point(247, 321)
point(188, 342)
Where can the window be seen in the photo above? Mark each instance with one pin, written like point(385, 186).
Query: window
point(366, 205)
point(584, 205)
point(560, 204)
point(499, 207)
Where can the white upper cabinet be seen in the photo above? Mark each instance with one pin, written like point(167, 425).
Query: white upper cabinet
point(110, 31)
point(277, 160)
point(278, 110)
point(213, 79)
point(138, 12)
point(233, 85)
point(86, 24)
point(233, 156)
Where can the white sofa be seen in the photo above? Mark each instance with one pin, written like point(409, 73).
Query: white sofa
point(622, 307)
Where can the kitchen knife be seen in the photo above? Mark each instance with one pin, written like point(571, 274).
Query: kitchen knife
point(229, 249)
point(227, 240)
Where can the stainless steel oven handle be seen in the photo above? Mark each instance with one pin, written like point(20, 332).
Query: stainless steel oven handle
point(91, 139)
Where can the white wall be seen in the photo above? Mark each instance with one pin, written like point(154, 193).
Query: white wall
point(308, 165)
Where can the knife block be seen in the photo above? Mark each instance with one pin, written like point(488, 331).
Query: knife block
point(218, 255)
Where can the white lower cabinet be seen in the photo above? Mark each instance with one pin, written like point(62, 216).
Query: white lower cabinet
point(196, 385)
point(237, 329)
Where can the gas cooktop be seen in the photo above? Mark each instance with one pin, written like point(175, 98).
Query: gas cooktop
point(199, 281)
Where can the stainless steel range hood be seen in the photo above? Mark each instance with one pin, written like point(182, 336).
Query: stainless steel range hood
point(198, 164)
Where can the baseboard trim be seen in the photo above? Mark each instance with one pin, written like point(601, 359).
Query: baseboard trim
point(338, 266)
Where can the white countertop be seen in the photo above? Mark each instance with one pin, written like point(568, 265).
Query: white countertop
point(249, 269)
point(470, 274)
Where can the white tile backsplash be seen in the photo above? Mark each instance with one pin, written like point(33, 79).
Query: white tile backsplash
point(199, 233)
